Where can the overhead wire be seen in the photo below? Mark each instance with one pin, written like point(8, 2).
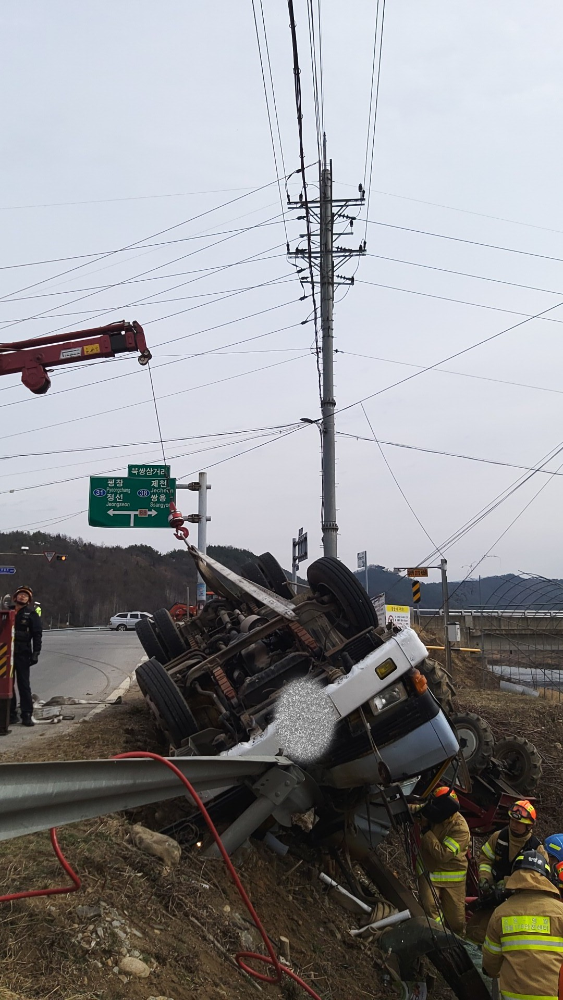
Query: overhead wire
point(268, 113)
point(143, 402)
point(374, 100)
point(447, 298)
point(305, 196)
point(450, 357)
point(458, 239)
point(448, 371)
point(396, 481)
point(144, 239)
point(447, 454)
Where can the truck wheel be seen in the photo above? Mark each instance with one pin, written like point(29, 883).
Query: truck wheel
point(475, 738)
point(168, 633)
point(521, 762)
point(275, 575)
point(329, 578)
point(150, 641)
point(440, 684)
point(251, 571)
point(169, 708)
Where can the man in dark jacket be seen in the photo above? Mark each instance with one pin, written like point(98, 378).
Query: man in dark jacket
point(27, 646)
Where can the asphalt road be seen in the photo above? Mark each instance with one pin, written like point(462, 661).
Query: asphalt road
point(84, 664)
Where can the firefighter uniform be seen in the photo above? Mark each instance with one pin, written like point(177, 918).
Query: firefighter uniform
point(524, 942)
point(442, 871)
point(498, 853)
point(27, 647)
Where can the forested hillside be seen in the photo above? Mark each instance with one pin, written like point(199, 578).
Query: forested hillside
point(96, 581)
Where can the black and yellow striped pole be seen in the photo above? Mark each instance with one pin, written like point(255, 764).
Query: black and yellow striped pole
point(7, 618)
point(415, 591)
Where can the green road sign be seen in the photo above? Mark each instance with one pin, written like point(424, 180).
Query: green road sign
point(149, 471)
point(130, 502)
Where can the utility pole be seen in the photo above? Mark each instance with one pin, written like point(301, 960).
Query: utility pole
point(328, 404)
point(446, 607)
point(201, 487)
point(323, 255)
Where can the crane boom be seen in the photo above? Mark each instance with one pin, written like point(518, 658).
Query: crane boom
point(32, 357)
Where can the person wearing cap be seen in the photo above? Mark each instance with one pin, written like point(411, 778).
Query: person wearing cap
point(553, 847)
point(524, 943)
point(442, 862)
point(28, 634)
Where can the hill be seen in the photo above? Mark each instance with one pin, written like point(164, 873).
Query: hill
point(96, 581)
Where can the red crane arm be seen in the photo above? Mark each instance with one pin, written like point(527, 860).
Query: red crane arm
point(31, 357)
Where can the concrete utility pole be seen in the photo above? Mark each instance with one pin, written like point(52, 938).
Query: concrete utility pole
point(201, 487)
point(323, 255)
point(329, 524)
point(446, 607)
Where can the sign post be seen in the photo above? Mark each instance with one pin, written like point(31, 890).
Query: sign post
point(130, 501)
point(363, 564)
point(300, 554)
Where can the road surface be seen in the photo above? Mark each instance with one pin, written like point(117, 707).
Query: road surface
point(88, 665)
point(84, 664)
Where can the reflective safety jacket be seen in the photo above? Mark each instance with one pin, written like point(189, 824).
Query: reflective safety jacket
point(497, 854)
point(524, 942)
point(443, 851)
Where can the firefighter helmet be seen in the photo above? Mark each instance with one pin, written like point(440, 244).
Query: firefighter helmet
point(532, 861)
point(24, 590)
point(523, 811)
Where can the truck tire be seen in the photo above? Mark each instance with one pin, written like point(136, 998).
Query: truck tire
point(251, 571)
point(521, 762)
point(275, 575)
point(150, 641)
point(168, 634)
point(439, 684)
point(328, 577)
point(475, 739)
point(169, 708)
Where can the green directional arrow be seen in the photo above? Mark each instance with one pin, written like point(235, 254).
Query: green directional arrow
point(130, 501)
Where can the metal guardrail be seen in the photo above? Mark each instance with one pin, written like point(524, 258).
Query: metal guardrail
point(490, 612)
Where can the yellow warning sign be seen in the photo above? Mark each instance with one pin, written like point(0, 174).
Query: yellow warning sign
point(91, 349)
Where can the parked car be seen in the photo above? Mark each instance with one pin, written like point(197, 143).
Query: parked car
point(127, 620)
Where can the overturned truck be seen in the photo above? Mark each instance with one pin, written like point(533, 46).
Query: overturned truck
point(232, 682)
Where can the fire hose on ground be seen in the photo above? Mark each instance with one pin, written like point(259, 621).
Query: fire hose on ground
point(242, 957)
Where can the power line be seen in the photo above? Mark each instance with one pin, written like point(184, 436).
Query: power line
point(117, 284)
point(138, 444)
point(143, 402)
point(106, 201)
point(396, 481)
point(446, 454)
point(448, 371)
point(467, 211)
point(458, 239)
point(376, 102)
point(447, 298)
point(270, 126)
point(144, 239)
point(466, 274)
point(305, 197)
point(450, 357)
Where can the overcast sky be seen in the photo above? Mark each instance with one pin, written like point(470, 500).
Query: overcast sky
point(123, 120)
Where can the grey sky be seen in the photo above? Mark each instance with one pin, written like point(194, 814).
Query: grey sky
point(158, 103)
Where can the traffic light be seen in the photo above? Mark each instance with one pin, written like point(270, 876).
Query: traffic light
point(61, 558)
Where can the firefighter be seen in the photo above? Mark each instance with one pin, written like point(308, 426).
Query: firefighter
point(442, 862)
point(27, 646)
point(524, 942)
point(554, 849)
point(498, 853)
